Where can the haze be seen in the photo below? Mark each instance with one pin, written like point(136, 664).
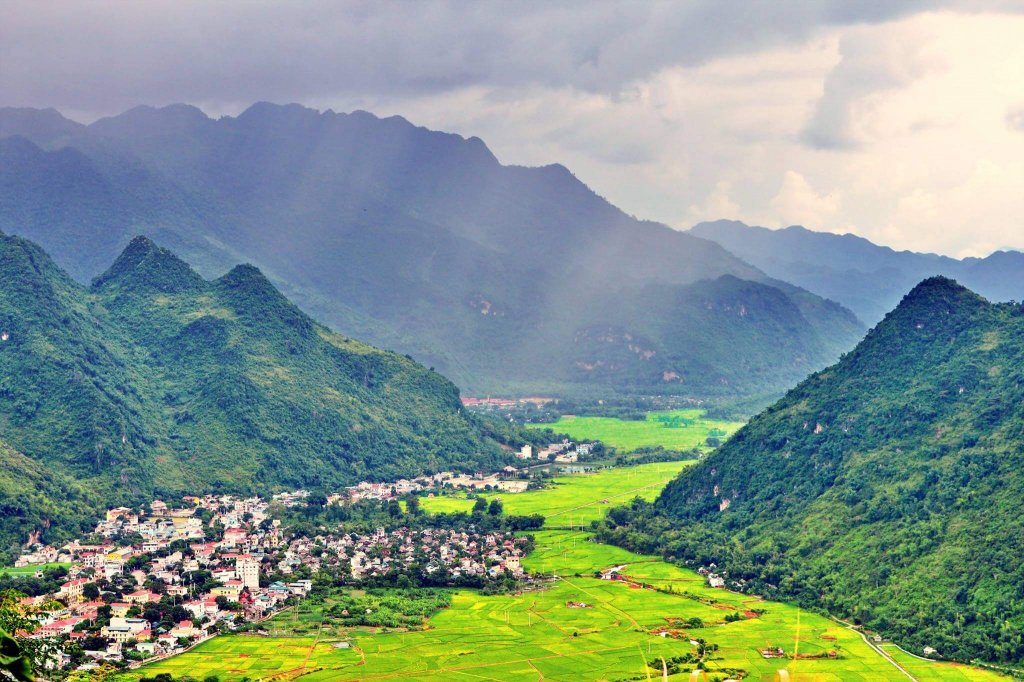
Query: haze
point(899, 121)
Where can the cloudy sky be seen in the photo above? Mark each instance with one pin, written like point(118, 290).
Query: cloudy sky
point(902, 121)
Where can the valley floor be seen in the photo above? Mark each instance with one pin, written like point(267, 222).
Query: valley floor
point(672, 429)
point(654, 611)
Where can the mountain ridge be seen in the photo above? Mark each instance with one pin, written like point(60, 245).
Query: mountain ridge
point(154, 381)
point(414, 239)
point(881, 489)
point(868, 278)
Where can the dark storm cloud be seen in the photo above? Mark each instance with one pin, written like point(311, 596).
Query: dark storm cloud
point(102, 57)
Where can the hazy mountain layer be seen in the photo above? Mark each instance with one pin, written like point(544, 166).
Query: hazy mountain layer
point(866, 278)
point(411, 239)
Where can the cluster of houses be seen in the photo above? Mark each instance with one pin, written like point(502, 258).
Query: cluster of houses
point(110, 585)
point(116, 585)
point(714, 579)
point(504, 403)
point(510, 479)
point(566, 452)
point(457, 553)
point(138, 559)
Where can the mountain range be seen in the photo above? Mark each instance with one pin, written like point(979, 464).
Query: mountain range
point(153, 381)
point(866, 278)
point(504, 278)
point(885, 489)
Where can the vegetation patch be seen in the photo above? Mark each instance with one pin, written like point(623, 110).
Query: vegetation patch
point(671, 429)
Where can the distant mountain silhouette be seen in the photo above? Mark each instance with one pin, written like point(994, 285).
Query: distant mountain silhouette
point(866, 278)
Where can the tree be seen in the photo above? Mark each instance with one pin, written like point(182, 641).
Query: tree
point(495, 507)
point(94, 643)
point(480, 506)
point(412, 505)
point(20, 655)
point(14, 661)
point(91, 591)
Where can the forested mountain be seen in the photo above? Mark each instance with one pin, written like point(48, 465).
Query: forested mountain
point(500, 276)
point(154, 381)
point(886, 488)
point(866, 278)
point(38, 502)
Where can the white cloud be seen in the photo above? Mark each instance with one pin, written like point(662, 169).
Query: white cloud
point(986, 207)
point(724, 139)
point(110, 53)
point(799, 203)
point(872, 63)
point(717, 205)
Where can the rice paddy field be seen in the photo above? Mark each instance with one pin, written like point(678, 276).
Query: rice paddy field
point(576, 499)
point(30, 570)
point(672, 429)
point(926, 671)
point(579, 627)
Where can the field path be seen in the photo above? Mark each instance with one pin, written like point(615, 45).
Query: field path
point(647, 667)
point(609, 605)
point(302, 669)
point(534, 611)
point(876, 648)
point(316, 640)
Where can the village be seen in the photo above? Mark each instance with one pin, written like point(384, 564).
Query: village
point(510, 479)
point(116, 598)
point(154, 582)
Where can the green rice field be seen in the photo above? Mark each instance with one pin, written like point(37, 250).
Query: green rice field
point(30, 570)
point(927, 671)
point(576, 499)
point(546, 635)
point(672, 429)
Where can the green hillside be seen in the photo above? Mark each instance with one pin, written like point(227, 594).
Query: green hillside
point(34, 499)
point(714, 337)
point(885, 488)
point(156, 381)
